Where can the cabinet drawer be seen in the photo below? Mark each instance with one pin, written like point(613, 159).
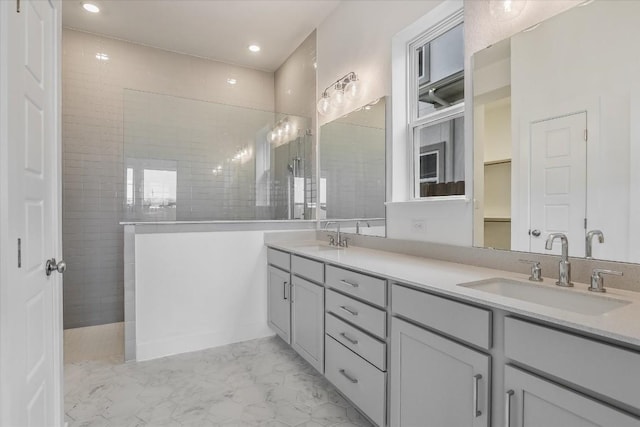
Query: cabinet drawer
point(279, 259)
point(307, 268)
point(356, 379)
point(356, 340)
point(459, 320)
point(605, 369)
point(359, 285)
point(369, 318)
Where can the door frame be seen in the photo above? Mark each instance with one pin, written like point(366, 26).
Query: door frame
point(7, 249)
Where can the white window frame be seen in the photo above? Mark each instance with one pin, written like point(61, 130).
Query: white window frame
point(401, 182)
point(442, 115)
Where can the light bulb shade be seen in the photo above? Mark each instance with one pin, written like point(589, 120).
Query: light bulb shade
point(338, 98)
point(324, 105)
point(352, 89)
point(503, 10)
point(271, 136)
point(286, 128)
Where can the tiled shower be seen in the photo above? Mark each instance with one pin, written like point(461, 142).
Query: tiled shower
point(152, 135)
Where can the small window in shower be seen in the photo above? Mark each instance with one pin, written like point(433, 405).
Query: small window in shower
point(130, 197)
point(159, 200)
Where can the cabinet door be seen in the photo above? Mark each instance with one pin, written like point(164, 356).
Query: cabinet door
point(533, 402)
point(307, 321)
point(279, 303)
point(435, 381)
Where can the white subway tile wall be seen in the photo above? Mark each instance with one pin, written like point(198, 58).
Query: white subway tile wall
point(352, 164)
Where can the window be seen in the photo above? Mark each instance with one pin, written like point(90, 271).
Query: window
point(436, 123)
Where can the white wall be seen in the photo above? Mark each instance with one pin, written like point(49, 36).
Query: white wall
point(357, 37)
point(199, 290)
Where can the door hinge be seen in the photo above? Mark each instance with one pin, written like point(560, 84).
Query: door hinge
point(19, 253)
point(586, 134)
point(17, 6)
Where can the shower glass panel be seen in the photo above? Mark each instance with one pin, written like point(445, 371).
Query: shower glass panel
point(191, 160)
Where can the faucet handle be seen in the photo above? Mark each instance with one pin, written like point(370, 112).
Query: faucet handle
point(536, 270)
point(332, 240)
point(345, 242)
point(597, 281)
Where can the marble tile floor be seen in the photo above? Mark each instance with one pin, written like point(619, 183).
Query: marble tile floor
point(255, 383)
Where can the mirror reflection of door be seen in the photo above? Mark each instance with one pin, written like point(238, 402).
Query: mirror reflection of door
point(558, 192)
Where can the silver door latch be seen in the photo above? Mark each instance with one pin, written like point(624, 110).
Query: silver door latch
point(52, 266)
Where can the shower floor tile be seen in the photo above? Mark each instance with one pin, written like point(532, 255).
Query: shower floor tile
point(255, 383)
point(94, 343)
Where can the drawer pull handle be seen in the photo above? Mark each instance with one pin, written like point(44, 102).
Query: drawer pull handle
point(349, 310)
point(349, 377)
point(507, 408)
point(476, 384)
point(353, 285)
point(284, 290)
point(348, 338)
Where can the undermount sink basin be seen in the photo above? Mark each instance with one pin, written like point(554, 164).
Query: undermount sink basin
point(565, 299)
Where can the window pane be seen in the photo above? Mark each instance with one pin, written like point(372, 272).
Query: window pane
point(440, 71)
point(159, 198)
point(439, 157)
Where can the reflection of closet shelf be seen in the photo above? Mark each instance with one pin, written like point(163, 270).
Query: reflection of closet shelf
point(497, 162)
point(497, 219)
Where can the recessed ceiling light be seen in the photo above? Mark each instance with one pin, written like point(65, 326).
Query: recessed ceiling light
point(90, 7)
point(232, 81)
point(102, 56)
point(254, 48)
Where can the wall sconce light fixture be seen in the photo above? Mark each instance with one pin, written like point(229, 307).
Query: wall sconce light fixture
point(504, 10)
point(334, 96)
point(283, 131)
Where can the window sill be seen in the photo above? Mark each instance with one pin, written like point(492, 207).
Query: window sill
point(435, 199)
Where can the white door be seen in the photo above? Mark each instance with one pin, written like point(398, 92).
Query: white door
point(558, 196)
point(30, 301)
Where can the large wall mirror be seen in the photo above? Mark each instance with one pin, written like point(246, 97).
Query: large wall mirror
point(352, 170)
point(557, 135)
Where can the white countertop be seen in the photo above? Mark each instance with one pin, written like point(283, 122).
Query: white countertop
point(621, 324)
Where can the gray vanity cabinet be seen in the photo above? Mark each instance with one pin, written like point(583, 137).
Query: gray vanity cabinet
point(436, 381)
point(534, 402)
point(279, 304)
point(307, 321)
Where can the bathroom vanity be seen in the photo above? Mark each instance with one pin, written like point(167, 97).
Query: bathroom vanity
point(413, 341)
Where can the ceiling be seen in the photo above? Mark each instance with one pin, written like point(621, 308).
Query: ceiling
point(217, 29)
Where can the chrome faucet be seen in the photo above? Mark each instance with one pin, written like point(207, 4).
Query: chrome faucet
point(338, 241)
point(358, 226)
point(564, 278)
point(589, 242)
point(597, 281)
